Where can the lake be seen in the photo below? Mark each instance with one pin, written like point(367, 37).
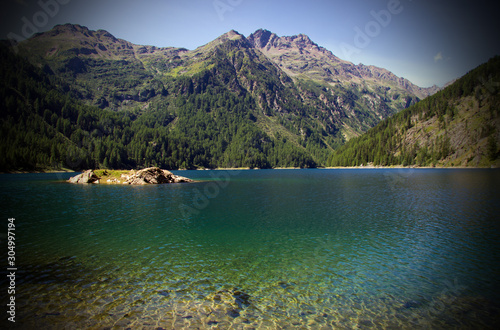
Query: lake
point(377, 248)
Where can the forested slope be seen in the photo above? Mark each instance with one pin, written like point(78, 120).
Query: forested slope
point(43, 127)
point(458, 126)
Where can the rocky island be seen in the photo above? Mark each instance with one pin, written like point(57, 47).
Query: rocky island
point(150, 175)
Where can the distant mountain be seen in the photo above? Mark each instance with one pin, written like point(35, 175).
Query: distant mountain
point(458, 126)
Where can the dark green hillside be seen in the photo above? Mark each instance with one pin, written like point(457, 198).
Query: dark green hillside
point(37, 122)
point(458, 126)
point(43, 127)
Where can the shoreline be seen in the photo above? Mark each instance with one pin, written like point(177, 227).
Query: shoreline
point(280, 168)
point(65, 170)
point(345, 168)
point(410, 167)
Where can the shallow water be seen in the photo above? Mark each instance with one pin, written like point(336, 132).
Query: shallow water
point(381, 248)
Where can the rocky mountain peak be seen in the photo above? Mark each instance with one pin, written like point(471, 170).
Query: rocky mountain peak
point(262, 38)
point(78, 32)
point(303, 41)
point(74, 33)
point(66, 29)
point(232, 35)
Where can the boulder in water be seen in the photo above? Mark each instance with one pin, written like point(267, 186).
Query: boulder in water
point(86, 177)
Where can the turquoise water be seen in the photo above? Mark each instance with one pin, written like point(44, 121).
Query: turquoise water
point(400, 248)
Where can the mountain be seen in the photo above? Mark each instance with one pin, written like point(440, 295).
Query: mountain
point(299, 56)
point(113, 73)
point(44, 127)
point(85, 95)
point(458, 126)
point(101, 69)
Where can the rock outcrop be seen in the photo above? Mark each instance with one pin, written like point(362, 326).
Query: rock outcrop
point(86, 177)
point(154, 175)
point(151, 175)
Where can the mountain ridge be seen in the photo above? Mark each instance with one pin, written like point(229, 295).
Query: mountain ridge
point(272, 45)
point(302, 41)
point(135, 75)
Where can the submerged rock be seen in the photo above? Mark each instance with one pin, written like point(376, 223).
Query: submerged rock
point(164, 293)
point(241, 298)
point(233, 313)
point(234, 299)
point(411, 304)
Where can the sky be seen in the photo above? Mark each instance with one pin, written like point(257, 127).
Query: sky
point(428, 42)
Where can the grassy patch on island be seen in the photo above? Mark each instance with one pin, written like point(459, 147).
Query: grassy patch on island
point(105, 175)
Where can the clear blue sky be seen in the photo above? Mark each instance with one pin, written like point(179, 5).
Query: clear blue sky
point(427, 42)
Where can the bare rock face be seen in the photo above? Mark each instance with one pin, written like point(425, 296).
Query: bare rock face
point(154, 175)
point(86, 177)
